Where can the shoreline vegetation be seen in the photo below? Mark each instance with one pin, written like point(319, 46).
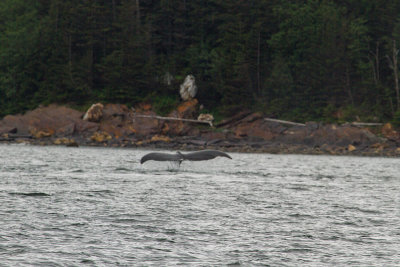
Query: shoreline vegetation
point(115, 125)
point(293, 60)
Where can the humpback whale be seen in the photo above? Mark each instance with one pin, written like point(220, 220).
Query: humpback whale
point(179, 157)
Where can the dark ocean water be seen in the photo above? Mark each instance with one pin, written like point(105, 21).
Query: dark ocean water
point(99, 207)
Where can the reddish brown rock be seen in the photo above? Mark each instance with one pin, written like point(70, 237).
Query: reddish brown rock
point(145, 127)
point(101, 137)
point(389, 132)
point(328, 134)
point(143, 107)
point(66, 130)
point(245, 131)
point(351, 148)
point(115, 110)
point(85, 128)
point(344, 135)
point(179, 128)
point(117, 120)
point(212, 135)
point(36, 133)
point(65, 141)
point(49, 120)
point(186, 110)
point(253, 125)
point(7, 130)
point(160, 138)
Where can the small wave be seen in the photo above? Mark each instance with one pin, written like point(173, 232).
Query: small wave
point(163, 239)
point(17, 249)
point(123, 169)
point(298, 215)
point(298, 250)
point(324, 177)
point(78, 224)
point(93, 193)
point(347, 223)
point(128, 220)
point(87, 261)
point(106, 191)
point(299, 188)
point(369, 211)
point(78, 171)
point(248, 173)
point(31, 194)
point(234, 264)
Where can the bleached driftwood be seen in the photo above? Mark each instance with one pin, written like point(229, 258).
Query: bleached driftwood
point(302, 124)
point(173, 119)
point(285, 122)
point(367, 124)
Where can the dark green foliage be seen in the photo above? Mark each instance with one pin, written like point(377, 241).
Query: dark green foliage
point(396, 118)
point(298, 60)
point(164, 105)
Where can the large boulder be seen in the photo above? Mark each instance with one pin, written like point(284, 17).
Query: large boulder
point(313, 134)
point(7, 129)
point(318, 135)
point(48, 121)
point(254, 125)
point(94, 113)
point(344, 135)
point(145, 126)
point(205, 117)
point(389, 132)
point(117, 120)
point(188, 88)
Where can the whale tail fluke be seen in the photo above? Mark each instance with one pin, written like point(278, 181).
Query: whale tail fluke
point(193, 156)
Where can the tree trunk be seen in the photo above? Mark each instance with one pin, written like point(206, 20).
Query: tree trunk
point(396, 73)
point(258, 63)
point(137, 16)
point(348, 87)
point(375, 63)
point(393, 65)
point(113, 10)
point(70, 59)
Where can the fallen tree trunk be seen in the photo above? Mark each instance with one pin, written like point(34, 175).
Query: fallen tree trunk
point(173, 119)
point(285, 122)
point(367, 124)
point(15, 136)
point(302, 124)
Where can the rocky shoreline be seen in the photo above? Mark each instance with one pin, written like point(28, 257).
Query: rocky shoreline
point(115, 125)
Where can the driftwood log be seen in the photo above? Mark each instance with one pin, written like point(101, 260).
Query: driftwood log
point(12, 137)
point(173, 119)
point(366, 124)
point(361, 124)
point(285, 122)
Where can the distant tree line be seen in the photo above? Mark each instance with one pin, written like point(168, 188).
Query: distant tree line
point(293, 59)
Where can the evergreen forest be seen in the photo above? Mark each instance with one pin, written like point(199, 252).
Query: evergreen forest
point(291, 59)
